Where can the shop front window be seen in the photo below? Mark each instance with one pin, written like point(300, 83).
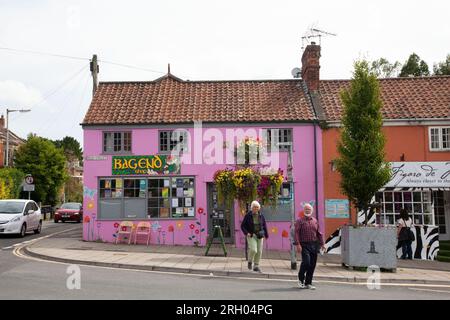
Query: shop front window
point(149, 198)
point(417, 203)
point(283, 211)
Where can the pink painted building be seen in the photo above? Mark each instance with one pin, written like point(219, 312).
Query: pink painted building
point(132, 129)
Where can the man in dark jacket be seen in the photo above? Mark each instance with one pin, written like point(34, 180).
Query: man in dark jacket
point(255, 229)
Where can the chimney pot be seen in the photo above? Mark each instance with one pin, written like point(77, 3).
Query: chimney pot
point(2, 122)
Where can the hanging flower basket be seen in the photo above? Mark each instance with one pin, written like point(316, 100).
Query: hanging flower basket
point(246, 182)
point(225, 187)
point(270, 186)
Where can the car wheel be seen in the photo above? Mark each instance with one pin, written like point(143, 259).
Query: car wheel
point(23, 231)
point(39, 228)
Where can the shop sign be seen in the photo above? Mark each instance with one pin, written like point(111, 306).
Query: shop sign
point(420, 174)
point(96, 158)
point(337, 208)
point(145, 165)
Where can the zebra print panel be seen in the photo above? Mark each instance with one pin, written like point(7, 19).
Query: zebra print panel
point(333, 243)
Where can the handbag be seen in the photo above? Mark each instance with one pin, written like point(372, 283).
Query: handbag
point(406, 234)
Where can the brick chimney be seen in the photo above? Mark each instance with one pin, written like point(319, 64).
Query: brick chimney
point(311, 67)
point(2, 122)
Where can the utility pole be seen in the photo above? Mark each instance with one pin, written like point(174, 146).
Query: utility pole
point(290, 179)
point(95, 69)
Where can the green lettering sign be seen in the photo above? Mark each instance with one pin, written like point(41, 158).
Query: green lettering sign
point(145, 165)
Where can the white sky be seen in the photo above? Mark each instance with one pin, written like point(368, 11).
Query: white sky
point(201, 39)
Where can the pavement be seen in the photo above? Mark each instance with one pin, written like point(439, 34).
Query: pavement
point(67, 247)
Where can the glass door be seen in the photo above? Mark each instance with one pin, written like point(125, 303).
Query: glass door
point(219, 215)
point(441, 201)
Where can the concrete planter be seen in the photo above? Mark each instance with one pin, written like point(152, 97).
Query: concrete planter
point(369, 246)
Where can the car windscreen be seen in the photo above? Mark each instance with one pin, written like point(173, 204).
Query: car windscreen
point(11, 207)
point(71, 206)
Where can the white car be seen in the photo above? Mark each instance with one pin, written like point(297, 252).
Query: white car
point(19, 217)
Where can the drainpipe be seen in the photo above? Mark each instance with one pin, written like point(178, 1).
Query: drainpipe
point(316, 185)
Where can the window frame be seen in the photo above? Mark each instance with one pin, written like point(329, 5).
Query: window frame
point(282, 134)
point(168, 144)
point(125, 142)
point(425, 201)
point(440, 135)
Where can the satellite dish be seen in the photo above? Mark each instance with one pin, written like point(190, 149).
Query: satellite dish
point(296, 72)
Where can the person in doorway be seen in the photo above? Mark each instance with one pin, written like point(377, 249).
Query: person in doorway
point(405, 235)
point(309, 241)
point(254, 228)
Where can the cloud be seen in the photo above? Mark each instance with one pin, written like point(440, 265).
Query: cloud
point(16, 94)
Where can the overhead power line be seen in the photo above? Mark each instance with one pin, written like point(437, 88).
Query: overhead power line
point(43, 53)
point(78, 58)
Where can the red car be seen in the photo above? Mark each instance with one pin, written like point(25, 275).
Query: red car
point(70, 211)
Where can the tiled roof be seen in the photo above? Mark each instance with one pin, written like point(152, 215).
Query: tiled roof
point(403, 98)
point(171, 100)
point(13, 138)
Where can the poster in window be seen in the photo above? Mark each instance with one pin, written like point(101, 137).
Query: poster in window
point(142, 194)
point(164, 212)
point(179, 183)
point(191, 212)
point(108, 193)
point(285, 192)
point(119, 183)
point(143, 184)
point(165, 192)
point(175, 203)
point(186, 183)
point(180, 193)
point(119, 193)
point(189, 192)
point(179, 211)
point(166, 182)
point(107, 184)
point(188, 202)
point(185, 211)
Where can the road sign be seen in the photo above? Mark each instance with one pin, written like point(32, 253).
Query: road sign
point(29, 179)
point(28, 187)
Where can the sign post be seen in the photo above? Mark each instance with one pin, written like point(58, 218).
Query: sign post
point(28, 185)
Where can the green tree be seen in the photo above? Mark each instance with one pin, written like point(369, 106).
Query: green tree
point(73, 189)
point(71, 147)
point(11, 180)
point(384, 69)
point(414, 67)
point(46, 163)
point(361, 147)
point(442, 68)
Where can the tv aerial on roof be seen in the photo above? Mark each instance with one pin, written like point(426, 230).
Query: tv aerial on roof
point(312, 33)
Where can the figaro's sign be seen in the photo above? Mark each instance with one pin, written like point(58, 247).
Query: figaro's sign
point(145, 165)
point(420, 174)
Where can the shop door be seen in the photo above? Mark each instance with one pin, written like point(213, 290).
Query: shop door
point(219, 215)
point(441, 202)
point(446, 235)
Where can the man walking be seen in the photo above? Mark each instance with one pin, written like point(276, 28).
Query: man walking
point(308, 238)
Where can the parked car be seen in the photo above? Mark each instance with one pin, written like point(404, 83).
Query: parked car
point(20, 216)
point(69, 211)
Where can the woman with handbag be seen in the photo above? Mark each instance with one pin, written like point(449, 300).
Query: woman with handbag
point(405, 234)
point(254, 227)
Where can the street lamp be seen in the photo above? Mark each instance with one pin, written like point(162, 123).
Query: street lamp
point(291, 181)
point(7, 130)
